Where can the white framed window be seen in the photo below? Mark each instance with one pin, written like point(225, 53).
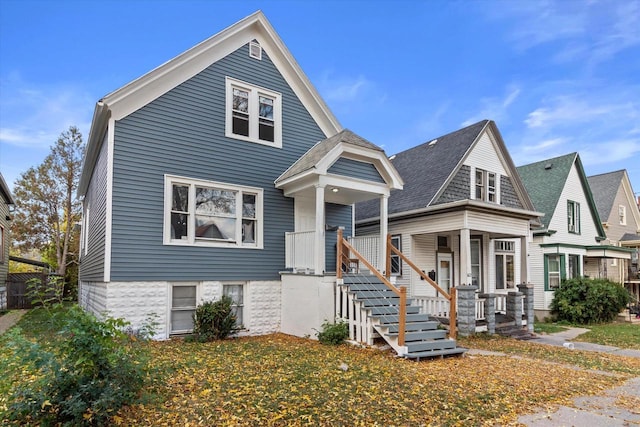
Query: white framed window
point(236, 293)
point(486, 186)
point(253, 113)
point(573, 217)
point(208, 213)
point(504, 246)
point(396, 261)
point(255, 50)
point(183, 307)
point(85, 230)
point(622, 214)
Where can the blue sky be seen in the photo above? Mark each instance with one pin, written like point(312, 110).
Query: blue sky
point(556, 77)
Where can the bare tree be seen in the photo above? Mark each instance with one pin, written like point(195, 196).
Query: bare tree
point(47, 208)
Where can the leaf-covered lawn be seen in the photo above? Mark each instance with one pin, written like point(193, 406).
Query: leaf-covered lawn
point(281, 380)
point(623, 335)
point(582, 359)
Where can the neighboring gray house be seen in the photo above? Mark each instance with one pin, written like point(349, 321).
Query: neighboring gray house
point(620, 218)
point(6, 201)
point(221, 172)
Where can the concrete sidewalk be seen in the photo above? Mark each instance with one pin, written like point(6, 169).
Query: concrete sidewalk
point(600, 410)
point(564, 339)
point(10, 319)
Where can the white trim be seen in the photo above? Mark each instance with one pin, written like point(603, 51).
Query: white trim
point(109, 201)
point(191, 240)
point(254, 92)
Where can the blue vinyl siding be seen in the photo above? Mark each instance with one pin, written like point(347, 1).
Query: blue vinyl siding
point(356, 169)
point(92, 264)
point(183, 133)
point(335, 216)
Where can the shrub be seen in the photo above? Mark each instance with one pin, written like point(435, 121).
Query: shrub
point(585, 301)
point(83, 377)
point(46, 295)
point(214, 320)
point(333, 333)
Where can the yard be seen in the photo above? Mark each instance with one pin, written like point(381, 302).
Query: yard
point(281, 380)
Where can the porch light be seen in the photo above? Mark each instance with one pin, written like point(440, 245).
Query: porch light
point(335, 190)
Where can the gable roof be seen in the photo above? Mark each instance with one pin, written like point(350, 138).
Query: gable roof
point(604, 188)
point(427, 169)
point(310, 159)
point(545, 181)
point(140, 92)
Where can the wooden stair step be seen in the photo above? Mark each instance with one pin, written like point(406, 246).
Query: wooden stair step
point(411, 318)
point(390, 310)
point(432, 345)
point(436, 353)
point(434, 334)
point(415, 327)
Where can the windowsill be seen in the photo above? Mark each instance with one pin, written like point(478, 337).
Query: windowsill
point(274, 144)
point(211, 244)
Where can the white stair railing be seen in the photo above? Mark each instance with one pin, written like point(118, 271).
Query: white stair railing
point(300, 250)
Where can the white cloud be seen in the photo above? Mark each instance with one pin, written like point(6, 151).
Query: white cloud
point(495, 108)
point(34, 116)
point(343, 89)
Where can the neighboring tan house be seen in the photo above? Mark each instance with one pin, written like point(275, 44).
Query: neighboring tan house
point(571, 235)
point(463, 216)
point(620, 218)
point(222, 172)
point(6, 203)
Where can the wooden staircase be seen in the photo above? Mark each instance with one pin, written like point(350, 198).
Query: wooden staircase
point(422, 337)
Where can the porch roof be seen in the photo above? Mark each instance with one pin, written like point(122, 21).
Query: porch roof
point(312, 170)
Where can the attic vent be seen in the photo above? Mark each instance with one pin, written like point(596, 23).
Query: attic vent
point(255, 50)
point(548, 166)
point(432, 143)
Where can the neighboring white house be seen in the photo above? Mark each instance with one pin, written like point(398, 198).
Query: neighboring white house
point(463, 216)
point(571, 235)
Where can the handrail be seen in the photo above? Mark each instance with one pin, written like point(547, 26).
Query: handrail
point(401, 292)
point(449, 296)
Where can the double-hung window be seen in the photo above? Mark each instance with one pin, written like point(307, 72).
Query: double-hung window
point(212, 214)
point(622, 214)
point(253, 113)
point(236, 293)
point(573, 217)
point(183, 307)
point(553, 269)
point(486, 186)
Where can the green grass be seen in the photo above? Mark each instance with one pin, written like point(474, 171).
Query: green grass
point(547, 328)
point(618, 334)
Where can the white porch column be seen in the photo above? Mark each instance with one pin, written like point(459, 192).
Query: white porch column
point(465, 257)
point(384, 219)
point(319, 234)
point(524, 259)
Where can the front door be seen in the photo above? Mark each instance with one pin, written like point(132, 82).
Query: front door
point(445, 270)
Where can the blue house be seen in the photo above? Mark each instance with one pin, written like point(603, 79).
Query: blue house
point(222, 172)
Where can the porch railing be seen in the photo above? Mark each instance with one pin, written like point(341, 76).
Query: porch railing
point(439, 306)
point(300, 250)
point(449, 296)
point(369, 247)
point(347, 255)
